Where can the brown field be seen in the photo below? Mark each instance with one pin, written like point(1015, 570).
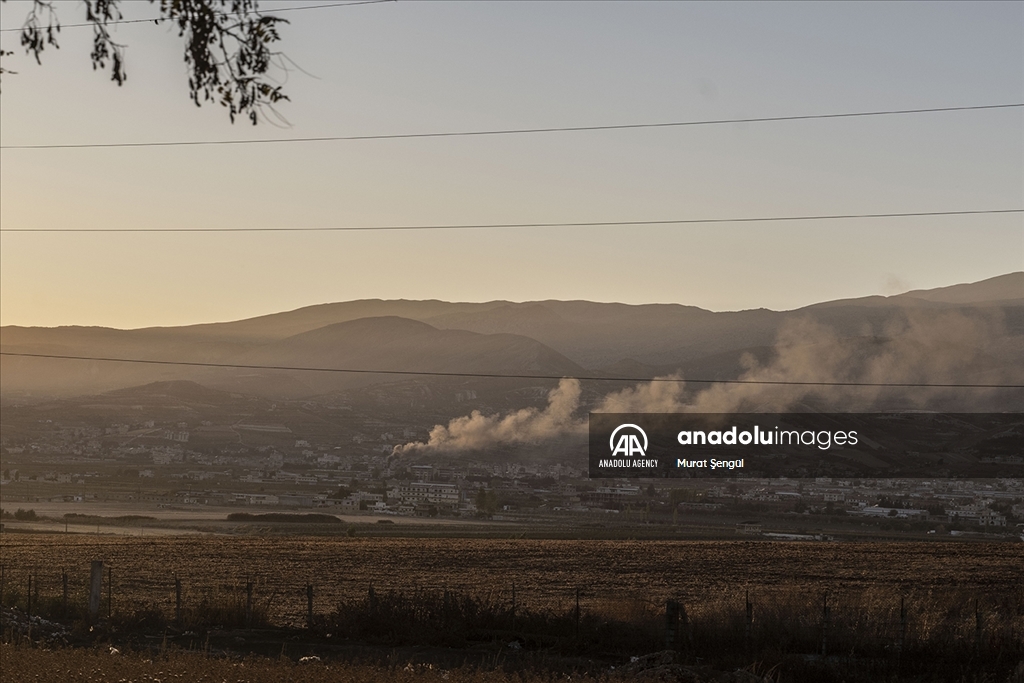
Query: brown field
point(546, 573)
point(899, 611)
point(78, 665)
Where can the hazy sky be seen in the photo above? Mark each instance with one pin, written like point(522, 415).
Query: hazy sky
point(437, 66)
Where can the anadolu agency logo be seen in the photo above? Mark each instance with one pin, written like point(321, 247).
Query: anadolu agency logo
point(628, 443)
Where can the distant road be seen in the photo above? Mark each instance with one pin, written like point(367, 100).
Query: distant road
point(200, 513)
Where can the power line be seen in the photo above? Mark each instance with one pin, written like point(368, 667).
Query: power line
point(584, 224)
point(157, 20)
point(493, 375)
point(517, 131)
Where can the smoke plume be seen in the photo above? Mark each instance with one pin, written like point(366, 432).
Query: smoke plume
point(919, 347)
point(526, 426)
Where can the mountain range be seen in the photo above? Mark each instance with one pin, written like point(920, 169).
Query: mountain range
point(560, 338)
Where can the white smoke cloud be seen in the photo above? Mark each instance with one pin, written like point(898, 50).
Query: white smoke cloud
point(922, 347)
point(526, 426)
point(662, 396)
point(948, 347)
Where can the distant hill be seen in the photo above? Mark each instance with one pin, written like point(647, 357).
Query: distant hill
point(180, 390)
point(290, 323)
point(597, 335)
point(540, 337)
point(1004, 288)
point(600, 335)
point(384, 343)
point(392, 343)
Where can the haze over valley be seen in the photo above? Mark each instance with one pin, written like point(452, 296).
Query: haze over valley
point(967, 333)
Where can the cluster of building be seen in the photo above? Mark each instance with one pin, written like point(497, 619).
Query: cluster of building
point(982, 503)
point(364, 475)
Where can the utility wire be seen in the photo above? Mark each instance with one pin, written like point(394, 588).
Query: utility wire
point(157, 20)
point(517, 131)
point(493, 375)
point(592, 224)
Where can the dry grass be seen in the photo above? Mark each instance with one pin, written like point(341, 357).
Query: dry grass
point(458, 593)
point(546, 573)
point(446, 618)
point(868, 634)
point(18, 664)
point(940, 635)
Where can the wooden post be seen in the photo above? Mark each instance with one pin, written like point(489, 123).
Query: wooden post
point(248, 604)
point(513, 605)
point(749, 623)
point(903, 625)
point(577, 612)
point(110, 591)
point(95, 588)
point(64, 582)
point(825, 612)
point(979, 632)
point(684, 626)
point(309, 606)
point(177, 601)
point(671, 625)
point(3, 572)
point(903, 634)
point(29, 606)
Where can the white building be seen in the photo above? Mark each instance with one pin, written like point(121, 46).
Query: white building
point(424, 492)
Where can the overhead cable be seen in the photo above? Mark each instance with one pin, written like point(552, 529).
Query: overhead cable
point(511, 131)
point(580, 224)
point(158, 20)
point(498, 375)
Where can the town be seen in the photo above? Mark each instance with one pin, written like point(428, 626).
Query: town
point(151, 465)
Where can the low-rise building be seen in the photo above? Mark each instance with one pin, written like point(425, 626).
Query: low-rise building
point(423, 492)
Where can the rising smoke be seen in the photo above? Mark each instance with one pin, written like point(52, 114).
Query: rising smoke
point(526, 426)
point(924, 348)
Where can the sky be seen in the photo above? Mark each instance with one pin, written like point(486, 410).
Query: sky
point(406, 67)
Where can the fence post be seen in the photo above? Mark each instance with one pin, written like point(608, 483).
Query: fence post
point(110, 591)
point(684, 626)
point(903, 625)
point(3, 572)
point(903, 634)
point(177, 601)
point(64, 583)
point(95, 589)
point(28, 598)
point(671, 625)
point(979, 634)
point(577, 613)
point(513, 605)
point(309, 606)
point(248, 604)
point(825, 612)
point(749, 622)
